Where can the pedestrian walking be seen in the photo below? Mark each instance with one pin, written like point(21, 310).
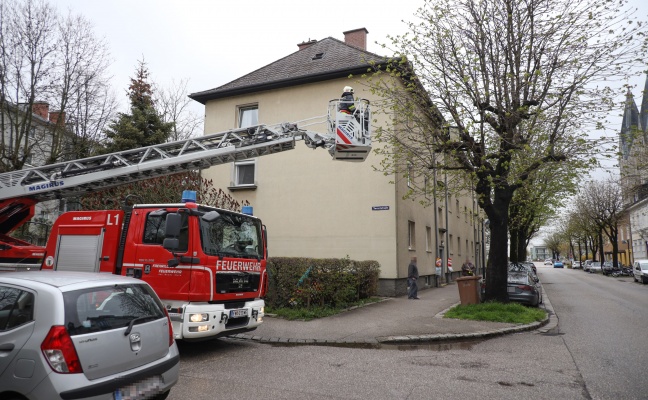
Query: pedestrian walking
point(412, 277)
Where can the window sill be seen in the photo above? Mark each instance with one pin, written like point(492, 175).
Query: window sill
point(242, 187)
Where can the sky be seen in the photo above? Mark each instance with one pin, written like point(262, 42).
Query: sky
point(212, 42)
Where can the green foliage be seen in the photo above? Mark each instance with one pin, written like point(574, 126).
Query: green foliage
point(512, 313)
point(323, 283)
point(307, 314)
point(143, 126)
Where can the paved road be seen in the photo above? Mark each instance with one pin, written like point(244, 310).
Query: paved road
point(563, 363)
point(604, 324)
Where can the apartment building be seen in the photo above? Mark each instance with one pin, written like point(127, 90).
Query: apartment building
point(315, 207)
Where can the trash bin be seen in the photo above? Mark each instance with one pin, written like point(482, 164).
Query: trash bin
point(468, 289)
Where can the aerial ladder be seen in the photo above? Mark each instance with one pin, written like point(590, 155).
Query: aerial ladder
point(348, 139)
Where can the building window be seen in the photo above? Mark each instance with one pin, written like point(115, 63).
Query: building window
point(248, 116)
point(244, 172)
point(457, 207)
point(409, 175)
point(411, 239)
point(428, 239)
point(450, 246)
point(459, 246)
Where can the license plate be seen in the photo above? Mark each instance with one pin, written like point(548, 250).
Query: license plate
point(139, 390)
point(511, 289)
point(241, 312)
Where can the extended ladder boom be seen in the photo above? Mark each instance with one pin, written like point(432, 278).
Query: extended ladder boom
point(77, 177)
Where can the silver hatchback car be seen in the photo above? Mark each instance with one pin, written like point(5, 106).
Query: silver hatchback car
point(82, 335)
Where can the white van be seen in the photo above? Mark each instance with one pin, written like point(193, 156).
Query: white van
point(640, 271)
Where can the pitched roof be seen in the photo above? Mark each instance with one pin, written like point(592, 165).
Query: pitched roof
point(323, 60)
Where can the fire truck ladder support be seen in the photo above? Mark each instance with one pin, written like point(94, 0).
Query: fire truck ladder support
point(77, 177)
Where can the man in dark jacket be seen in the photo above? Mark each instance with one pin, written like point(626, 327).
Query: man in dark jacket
point(412, 277)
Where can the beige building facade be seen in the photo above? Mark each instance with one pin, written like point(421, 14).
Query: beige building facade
point(319, 208)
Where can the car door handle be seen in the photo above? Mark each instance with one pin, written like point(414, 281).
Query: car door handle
point(7, 346)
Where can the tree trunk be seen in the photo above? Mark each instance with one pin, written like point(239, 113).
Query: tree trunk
point(521, 245)
point(497, 269)
point(513, 248)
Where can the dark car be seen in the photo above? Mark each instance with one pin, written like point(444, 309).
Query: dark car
point(523, 288)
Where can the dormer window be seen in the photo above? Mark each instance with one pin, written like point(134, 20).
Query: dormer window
point(318, 56)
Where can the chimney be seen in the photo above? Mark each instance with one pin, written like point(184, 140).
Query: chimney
point(55, 115)
point(40, 108)
point(304, 45)
point(356, 38)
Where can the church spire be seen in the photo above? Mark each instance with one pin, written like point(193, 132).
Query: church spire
point(629, 125)
point(643, 115)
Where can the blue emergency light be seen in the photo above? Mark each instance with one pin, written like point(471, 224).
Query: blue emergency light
point(247, 210)
point(188, 196)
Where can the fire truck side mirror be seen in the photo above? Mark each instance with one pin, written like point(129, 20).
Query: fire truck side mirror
point(173, 225)
point(172, 231)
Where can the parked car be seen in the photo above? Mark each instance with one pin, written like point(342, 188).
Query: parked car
point(548, 261)
point(640, 271)
point(577, 265)
point(523, 288)
point(608, 268)
point(587, 265)
point(73, 335)
point(558, 264)
point(594, 267)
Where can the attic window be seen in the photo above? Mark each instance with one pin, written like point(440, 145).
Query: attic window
point(318, 56)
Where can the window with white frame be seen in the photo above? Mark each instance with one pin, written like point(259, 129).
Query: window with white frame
point(411, 239)
point(248, 116)
point(244, 172)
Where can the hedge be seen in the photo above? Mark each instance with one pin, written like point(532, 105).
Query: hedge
point(329, 282)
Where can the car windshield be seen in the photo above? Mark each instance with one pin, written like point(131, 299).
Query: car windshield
point(233, 235)
point(110, 307)
point(643, 266)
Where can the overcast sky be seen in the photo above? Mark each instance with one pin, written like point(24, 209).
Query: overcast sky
point(212, 42)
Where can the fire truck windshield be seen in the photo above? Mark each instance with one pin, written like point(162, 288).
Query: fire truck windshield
point(232, 235)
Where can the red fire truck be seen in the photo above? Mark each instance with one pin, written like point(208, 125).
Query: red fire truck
point(208, 265)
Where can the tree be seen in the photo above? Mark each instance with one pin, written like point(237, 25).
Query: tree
point(502, 89)
point(82, 92)
point(554, 242)
point(536, 202)
point(602, 203)
point(173, 105)
point(144, 125)
point(49, 59)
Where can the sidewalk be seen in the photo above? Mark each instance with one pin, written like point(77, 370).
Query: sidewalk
point(392, 321)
